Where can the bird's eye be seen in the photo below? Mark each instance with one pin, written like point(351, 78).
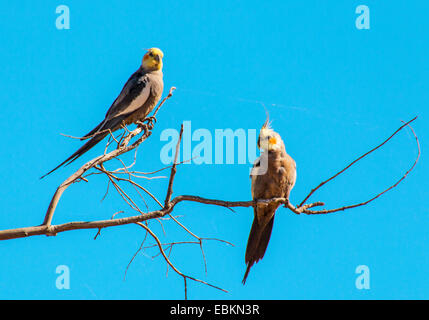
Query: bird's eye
point(151, 54)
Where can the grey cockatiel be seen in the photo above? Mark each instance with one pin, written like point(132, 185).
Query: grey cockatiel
point(273, 176)
point(137, 99)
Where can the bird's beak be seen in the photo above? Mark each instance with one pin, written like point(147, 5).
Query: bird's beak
point(157, 58)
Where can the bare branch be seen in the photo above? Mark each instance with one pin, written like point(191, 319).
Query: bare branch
point(173, 169)
point(381, 193)
point(172, 265)
point(353, 162)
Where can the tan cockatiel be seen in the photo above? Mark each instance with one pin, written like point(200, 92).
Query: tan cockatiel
point(137, 99)
point(273, 176)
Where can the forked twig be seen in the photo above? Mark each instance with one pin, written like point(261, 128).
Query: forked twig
point(173, 266)
point(356, 160)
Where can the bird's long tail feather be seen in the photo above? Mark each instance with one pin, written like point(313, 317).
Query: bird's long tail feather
point(79, 152)
point(257, 244)
point(99, 132)
point(94, 131)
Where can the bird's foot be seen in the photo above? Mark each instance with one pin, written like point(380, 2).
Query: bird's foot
point(150, 121)
point(286, 204)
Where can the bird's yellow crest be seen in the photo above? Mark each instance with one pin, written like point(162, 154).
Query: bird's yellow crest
point(267, 123)
point(152, 60)
point(268, 138)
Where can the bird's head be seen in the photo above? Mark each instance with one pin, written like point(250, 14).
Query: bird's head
point(269, 140)
point(152, 60)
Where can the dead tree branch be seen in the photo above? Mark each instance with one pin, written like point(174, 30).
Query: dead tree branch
point(126, 175)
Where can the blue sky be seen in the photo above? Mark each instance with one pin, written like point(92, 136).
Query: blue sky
point(333, 92)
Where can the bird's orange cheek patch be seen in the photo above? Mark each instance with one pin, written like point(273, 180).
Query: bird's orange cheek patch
point(273, 140)
point(145, 57)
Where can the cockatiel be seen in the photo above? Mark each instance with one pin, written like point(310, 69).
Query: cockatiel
point(137, 99)
point(273, 176)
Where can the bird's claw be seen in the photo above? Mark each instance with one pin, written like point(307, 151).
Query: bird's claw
point(140, 123)
point(286, 204)
point(150, 121)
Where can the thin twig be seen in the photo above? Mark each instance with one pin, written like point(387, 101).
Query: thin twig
point(354, 161)
point(173, 170)
point(172, 265)
point(379, 194)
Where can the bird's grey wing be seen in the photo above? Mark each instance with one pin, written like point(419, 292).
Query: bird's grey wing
point(288, 175)
point(260, 177)
point(262, 225)
point(290, 167)
point(254, 174)
point(133, 95)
